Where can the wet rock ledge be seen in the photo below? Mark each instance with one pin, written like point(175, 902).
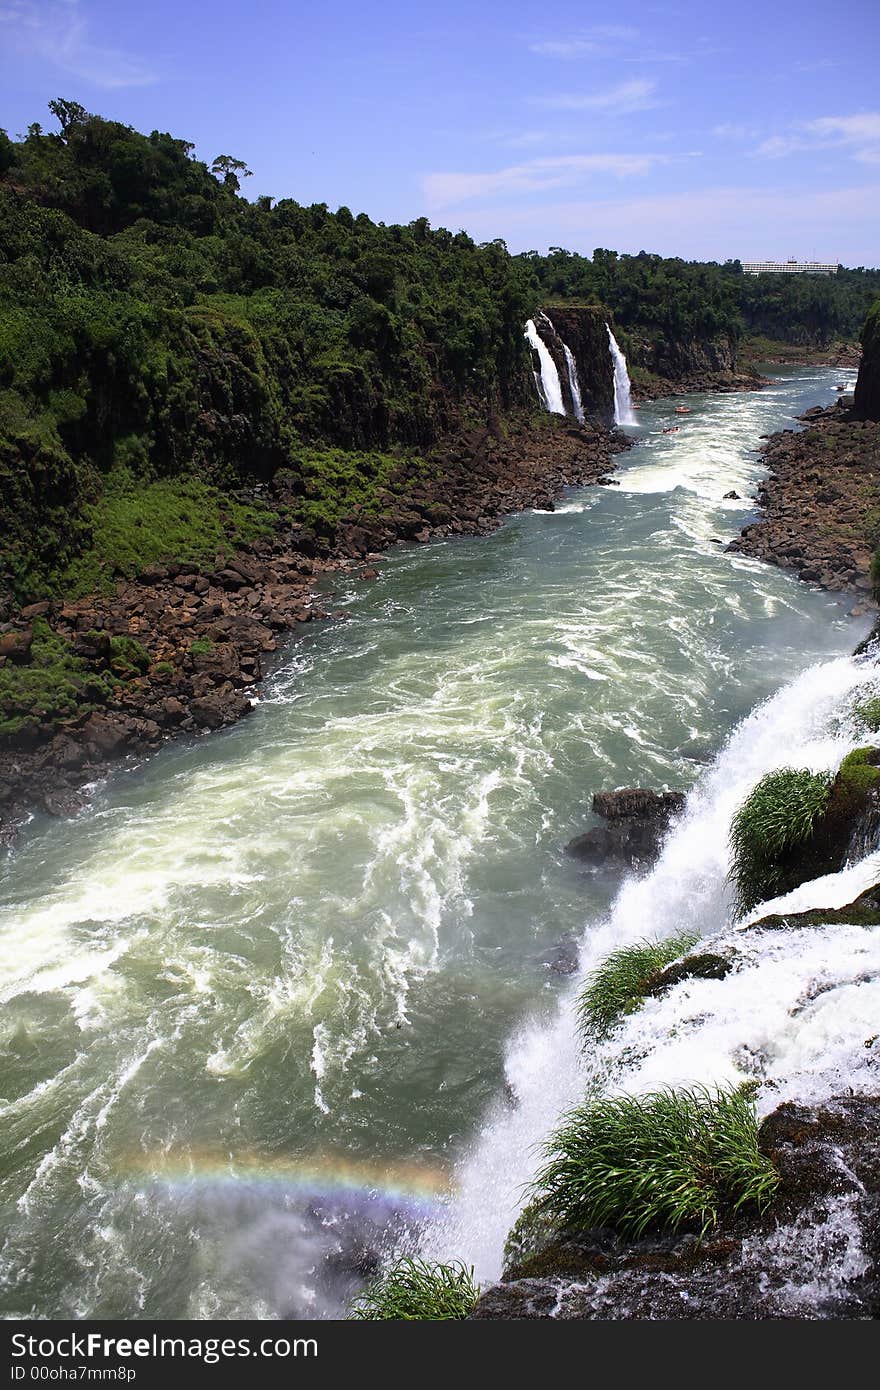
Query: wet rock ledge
point(814, 1254)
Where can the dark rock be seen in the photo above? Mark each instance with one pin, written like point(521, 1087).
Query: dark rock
point(638, 820)
point(732, 496)
point(864, 911)
point(704, 966)
point(153, 574)
point(103, 735)
point(564, 958)
point(637, 801)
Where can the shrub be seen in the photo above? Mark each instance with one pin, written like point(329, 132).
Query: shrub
point(410, 1290)
point(620, 983)
point(654, 1162)
point(778, 815)
point(127, 654)
point(202, 646)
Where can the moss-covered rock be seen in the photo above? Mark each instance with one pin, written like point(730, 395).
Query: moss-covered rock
point(796, 826)
point(863, 911)
point(705, 965)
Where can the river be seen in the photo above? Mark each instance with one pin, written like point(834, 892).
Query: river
point(267, 1000)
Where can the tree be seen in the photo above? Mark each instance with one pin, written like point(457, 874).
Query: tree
point(231, 169)
point(68, 114)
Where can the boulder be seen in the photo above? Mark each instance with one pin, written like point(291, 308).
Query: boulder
point(15, 645)
point(637, 821)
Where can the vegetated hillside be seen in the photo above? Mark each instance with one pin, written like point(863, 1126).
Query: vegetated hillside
point(156, 327)
point(154, 322)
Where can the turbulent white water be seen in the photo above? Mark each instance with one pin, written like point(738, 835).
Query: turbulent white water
point(795, 1014)
point(259, 999)
point(547, 382)
point(623, 411)
point(574, 383)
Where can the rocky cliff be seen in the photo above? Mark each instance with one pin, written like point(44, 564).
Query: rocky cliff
point(582, 329)
point(867, 395)
point(665, 365)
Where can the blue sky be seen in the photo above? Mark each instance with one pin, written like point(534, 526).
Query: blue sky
point(692, 129)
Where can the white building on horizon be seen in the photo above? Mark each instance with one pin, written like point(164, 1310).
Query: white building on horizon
point(789, 268)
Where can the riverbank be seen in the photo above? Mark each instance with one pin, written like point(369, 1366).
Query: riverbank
point(820, 503)
point(716, 367)
point(179, 649)
point(754, 350)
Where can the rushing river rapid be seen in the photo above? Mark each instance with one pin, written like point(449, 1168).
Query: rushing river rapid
point(283, 998)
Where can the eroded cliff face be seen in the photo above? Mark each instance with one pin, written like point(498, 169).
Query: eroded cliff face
point(582, 329)
point(664, 366)
point(867, 394)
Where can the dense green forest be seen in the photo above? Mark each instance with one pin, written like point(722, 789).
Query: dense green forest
point(700, 300)
point(156, 325)
point(154, 321)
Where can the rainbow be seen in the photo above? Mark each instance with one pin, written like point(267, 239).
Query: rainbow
point(326, 1176)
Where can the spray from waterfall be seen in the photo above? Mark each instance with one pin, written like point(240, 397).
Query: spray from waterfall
point(547, 382)
point(623, 411)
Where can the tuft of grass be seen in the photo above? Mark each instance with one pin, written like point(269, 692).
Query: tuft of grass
point(202, 646)
point(618, 986)
point(779, 814)
point(411, 1290)
point(869, 714)
point(656, 1162)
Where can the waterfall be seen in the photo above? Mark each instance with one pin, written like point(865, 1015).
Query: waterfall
point(547, 383)
point(752, 1025)
point(623, 411)
point(573, 382)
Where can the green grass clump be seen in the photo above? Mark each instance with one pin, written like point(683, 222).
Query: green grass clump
point(134, 524)
point(869, 714)
point(202, 646)
point(127, 657)
point(412, 1290)
point(777, 816)
point(618, 986)
point(656, 1162)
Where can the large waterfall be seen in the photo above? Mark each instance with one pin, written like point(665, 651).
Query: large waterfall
point(794, 1014)
point(573, 383)
point(547, 381)
point(623, 411)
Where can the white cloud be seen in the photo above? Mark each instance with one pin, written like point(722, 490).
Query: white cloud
point(734, 130)
point(780, 146)
point(636, 95)
point(535, 176)
point(857, 137)
point(592, 40)
point(57, 32)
